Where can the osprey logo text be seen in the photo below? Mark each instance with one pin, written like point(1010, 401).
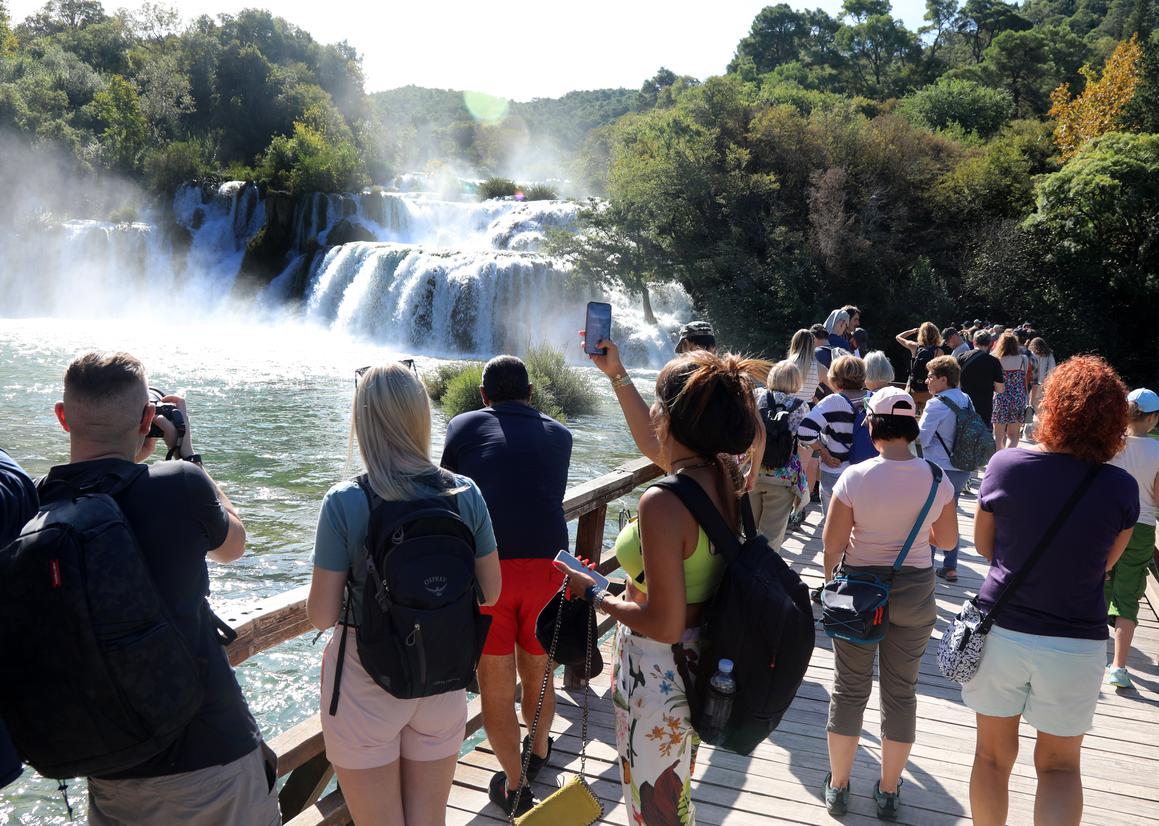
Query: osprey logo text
point(436, 585)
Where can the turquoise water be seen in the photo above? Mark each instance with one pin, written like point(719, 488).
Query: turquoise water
point(270, 414)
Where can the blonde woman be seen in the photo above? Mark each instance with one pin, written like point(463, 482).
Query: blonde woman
point(395, 758)
point(927, 346)
point(803, 353)
point(780, 490)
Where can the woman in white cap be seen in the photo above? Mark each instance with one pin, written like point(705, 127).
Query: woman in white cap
point(874, 507)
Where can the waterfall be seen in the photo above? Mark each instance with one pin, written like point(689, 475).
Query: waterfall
point(404, 268)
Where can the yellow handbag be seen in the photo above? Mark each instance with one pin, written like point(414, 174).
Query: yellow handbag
point(574, 803)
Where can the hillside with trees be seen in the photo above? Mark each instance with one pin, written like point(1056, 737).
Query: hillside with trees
point(1001, 163)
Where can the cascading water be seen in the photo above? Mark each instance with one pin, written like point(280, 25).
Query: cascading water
point(402, 268)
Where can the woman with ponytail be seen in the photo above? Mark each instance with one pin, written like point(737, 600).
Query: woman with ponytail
point(704, 417)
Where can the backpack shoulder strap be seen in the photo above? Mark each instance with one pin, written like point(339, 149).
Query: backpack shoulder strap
point(703, 510)
point(937, 480)
point(954, 408)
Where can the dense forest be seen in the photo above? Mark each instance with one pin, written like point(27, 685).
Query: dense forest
point(1002, 162)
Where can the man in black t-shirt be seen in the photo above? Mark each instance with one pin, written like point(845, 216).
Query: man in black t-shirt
point(982, 375)
point(215, 773)
point(519, 458)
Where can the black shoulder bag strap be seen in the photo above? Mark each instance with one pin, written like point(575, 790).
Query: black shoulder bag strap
point(723, 538)
point(364, 483)
point(1039, 549)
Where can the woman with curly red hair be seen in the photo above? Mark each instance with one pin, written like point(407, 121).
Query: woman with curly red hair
point(1045, 654)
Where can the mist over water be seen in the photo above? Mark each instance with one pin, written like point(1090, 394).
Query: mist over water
point(92, 264)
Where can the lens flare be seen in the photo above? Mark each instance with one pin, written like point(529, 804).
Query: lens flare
point(486, 108)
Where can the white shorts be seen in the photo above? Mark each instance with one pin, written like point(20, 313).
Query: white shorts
point(1053, 682)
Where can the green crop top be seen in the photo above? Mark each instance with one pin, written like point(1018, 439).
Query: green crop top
point(702, 570)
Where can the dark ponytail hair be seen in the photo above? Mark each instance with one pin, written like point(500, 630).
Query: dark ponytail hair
point(707, 405)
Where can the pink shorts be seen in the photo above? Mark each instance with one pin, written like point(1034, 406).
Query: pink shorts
point(373, 729)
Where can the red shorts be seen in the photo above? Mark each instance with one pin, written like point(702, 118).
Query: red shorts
point(528, 585)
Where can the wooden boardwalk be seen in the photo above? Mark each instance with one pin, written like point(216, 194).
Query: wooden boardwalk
point(781, 781)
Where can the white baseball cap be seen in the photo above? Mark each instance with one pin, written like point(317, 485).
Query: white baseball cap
point(890, 401)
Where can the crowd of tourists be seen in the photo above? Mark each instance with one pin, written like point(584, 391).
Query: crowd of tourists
point(432, 575)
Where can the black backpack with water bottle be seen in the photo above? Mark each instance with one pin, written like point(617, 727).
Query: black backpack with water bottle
point(760, 618)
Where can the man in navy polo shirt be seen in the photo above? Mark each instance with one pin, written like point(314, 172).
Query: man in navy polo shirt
point(519, 458)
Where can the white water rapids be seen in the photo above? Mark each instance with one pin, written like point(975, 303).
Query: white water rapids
point(406, 269)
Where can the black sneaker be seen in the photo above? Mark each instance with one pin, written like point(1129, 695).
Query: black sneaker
point(887, 802)
point(505, 799)
point(816, 497)
point(536, 763)
point(815, 595)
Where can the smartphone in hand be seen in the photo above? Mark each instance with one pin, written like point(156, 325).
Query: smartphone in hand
point(597, 328)
point(570, 561)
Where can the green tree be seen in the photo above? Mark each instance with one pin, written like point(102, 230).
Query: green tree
point(981, 21)
point(7, 38)
point(58, 16)
point(775, 38)
point(940, 17)
point(971, 106)
point(124, 131)
point(1028, 64)
point(878, 47)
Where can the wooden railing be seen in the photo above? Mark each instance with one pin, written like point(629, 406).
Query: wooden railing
point(301, 752)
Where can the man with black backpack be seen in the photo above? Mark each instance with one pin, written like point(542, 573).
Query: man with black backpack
point(143, 701)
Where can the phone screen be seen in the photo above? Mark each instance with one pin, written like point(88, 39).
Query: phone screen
point(598, 327)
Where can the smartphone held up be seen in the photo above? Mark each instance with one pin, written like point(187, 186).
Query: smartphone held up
point(597, 328)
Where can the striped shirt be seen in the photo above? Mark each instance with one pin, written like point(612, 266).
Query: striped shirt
point(831, 424)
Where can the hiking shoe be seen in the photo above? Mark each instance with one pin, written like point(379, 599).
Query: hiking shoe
point(887, 803)
point(815, 594)
point(815, 498)
point(505, 799)
point(536, 763)
point(1117, 677)
point(836, 800)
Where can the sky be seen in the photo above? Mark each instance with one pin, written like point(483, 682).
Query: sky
point(519, 49)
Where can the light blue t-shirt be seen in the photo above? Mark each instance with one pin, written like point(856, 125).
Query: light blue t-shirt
point(343, 521)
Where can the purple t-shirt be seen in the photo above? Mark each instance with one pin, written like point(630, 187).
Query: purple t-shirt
point(1062, 596)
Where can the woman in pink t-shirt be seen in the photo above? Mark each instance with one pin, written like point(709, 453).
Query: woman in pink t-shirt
point(874, 507)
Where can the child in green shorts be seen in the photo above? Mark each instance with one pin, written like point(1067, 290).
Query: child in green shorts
point(1128, 579)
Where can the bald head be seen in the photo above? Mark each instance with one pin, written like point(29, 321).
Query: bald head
point(105, 400)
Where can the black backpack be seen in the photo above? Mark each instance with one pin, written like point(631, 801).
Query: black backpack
point(780, 440)
point(760, 618)
point(421, 631)
point(95, 678)
point(919, 373)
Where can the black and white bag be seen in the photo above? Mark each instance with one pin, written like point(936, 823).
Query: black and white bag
point(960, 650)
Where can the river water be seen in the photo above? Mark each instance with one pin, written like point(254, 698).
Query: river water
point(270, 412)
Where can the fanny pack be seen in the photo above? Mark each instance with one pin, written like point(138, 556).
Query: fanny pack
point(855, 606)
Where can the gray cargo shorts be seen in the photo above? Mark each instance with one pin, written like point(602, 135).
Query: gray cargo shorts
point(240, 793)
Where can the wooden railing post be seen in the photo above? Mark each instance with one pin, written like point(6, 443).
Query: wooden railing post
point(305, 785)
point(589, 543)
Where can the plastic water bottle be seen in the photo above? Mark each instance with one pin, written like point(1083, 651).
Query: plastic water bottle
point(718, 704)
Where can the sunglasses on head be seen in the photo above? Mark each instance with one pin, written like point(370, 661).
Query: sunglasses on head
point(408, 363)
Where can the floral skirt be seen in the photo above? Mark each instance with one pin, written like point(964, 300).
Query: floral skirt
point(654, 735)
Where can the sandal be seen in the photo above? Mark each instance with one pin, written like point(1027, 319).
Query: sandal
point(948, 574)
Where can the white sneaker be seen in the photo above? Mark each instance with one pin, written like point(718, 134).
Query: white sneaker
point(1117, 677)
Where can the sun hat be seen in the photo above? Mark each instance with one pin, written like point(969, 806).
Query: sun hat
point(890, 401)
point(1146, 400)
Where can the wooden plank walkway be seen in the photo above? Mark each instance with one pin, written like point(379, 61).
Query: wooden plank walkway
point(781, 781)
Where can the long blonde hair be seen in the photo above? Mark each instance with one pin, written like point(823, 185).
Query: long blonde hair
point(802, 351)
point(392, 425)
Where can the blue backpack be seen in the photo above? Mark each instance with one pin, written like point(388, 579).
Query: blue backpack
point(862, 447)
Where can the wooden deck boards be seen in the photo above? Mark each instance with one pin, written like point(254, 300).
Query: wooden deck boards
point(780, 782)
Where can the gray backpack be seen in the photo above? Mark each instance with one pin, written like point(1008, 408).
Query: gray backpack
point(973, 440)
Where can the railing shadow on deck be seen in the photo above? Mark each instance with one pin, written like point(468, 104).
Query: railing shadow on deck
point(277, 619)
